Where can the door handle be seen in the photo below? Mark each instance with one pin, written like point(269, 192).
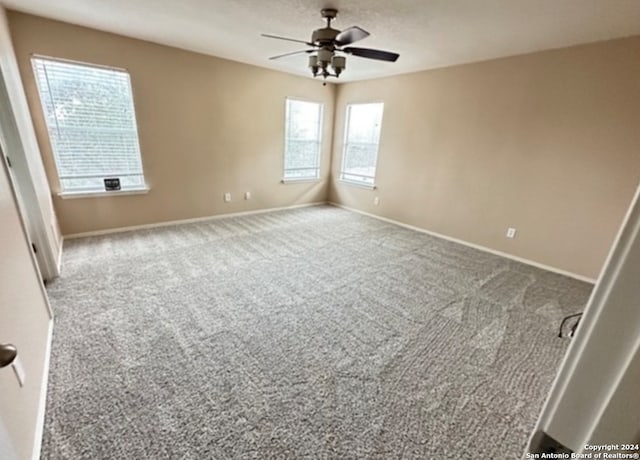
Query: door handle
point(8, 353)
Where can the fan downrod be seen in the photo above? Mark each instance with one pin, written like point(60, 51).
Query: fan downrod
point(329, 14)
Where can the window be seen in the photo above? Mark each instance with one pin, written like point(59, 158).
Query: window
point(362, 134)
point(303, 129)
point(91, 123)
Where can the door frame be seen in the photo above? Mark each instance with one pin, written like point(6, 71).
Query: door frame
point(26, 170)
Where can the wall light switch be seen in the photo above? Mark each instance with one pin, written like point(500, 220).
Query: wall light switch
point(247, 195)
point(511, 232)
point(376, 200)
point(227, 197)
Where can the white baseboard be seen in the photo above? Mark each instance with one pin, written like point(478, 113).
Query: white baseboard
point(42, 404)
point(471, 245)
point(187, 221)
point(319, 203)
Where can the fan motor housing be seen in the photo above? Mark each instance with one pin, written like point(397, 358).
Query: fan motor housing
point(324, 36)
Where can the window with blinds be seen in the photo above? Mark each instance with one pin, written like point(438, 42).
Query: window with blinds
point(302, 140)
point(91, 123)
point(362, 135)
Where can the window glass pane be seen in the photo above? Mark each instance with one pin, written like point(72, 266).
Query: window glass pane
point(362, 136)
point(303, 127)
point(364, 123)
point(91, 123)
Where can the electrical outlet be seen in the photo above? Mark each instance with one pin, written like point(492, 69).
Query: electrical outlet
point(227, 197)
point(511, 232)
point(247, 195)
point(376, 200)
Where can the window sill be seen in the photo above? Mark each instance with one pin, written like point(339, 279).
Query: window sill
point(103, 193)
point(358, 184)
point(299, 181)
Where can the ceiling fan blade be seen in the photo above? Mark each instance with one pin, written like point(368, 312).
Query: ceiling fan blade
point(291, 54)
point(372, 54)
point(285, 38)
point(351, 35)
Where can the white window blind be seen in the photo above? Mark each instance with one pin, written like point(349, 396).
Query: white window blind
point(362, 135)
point(91, 123)
point(303, 131)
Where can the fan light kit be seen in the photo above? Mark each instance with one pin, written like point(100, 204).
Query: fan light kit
point(328, 45)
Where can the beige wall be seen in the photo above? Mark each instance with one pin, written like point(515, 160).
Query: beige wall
point(206, 125)
point(548, 143)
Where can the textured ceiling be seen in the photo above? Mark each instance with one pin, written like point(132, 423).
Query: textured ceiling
point(426, 33)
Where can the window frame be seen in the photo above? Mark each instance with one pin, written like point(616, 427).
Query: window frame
point(317, 177)
point(353, 182)
point(84, 193)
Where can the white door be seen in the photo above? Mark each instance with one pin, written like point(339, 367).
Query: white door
point(7, 451)
point(25, 321)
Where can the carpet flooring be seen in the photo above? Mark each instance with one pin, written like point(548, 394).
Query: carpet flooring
point(314, 333)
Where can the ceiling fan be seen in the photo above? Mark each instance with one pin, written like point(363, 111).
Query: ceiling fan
point(326, 43)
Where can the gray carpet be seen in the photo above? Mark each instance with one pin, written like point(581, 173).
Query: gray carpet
point(314, 333)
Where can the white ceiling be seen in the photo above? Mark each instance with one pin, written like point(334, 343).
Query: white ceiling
point(426, 33)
